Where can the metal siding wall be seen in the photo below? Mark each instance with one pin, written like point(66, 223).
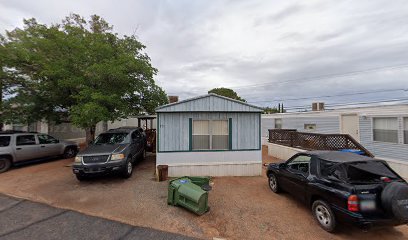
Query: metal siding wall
point(326, 124)
point(382, 149)
point(174, 135)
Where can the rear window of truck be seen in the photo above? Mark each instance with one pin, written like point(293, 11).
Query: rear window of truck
point(364, 172)
point(4, 141)
point(368, 172)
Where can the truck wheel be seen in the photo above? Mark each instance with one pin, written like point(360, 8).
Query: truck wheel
point(324, 215)
point(5, 164)
point(81, 177)
point(273, 183)
point(128, 170)
point(69, 152)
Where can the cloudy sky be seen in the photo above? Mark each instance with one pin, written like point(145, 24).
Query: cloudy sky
point(294, 52)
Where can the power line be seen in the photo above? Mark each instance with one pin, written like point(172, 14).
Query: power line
point(329, 96)
point(308, 79)
point(349, 104)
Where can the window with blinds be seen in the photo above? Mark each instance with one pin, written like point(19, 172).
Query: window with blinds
point(201, 134)
point(406, 130)
point(210, 135)
point(385, 129)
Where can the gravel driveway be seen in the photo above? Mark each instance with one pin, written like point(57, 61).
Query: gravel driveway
point(241, 207)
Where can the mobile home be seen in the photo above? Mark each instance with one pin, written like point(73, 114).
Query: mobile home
point(209, 135)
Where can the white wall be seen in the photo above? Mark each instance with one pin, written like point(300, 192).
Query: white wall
point(219, 163)
point(282, 152)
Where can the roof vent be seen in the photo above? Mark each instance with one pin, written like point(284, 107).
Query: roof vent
point(318, 106)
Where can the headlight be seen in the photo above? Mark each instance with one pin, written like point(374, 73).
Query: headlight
point(78, 159)
point(117, 157)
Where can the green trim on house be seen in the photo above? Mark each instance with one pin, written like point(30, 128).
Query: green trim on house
point(157, 133)
point(190, 133)
point(230, 134)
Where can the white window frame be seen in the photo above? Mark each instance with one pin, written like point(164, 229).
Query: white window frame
point(372, 128)
point(210, 129)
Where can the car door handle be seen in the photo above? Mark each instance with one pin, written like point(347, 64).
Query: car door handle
point(43, 146)
point(18, 148)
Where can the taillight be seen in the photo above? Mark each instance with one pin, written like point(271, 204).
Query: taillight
point(352, 203)
point(385, 179)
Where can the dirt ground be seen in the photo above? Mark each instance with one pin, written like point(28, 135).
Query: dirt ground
point(241, 207)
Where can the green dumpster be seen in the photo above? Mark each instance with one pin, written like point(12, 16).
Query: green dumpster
point(183, 192)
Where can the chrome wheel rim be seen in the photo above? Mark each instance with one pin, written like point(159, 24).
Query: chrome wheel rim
point(129, 167)
point(272, 182)
point(323, 215)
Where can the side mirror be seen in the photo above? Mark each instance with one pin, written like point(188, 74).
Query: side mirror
point(282, 165)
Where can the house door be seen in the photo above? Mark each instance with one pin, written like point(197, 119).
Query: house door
point(349, 125)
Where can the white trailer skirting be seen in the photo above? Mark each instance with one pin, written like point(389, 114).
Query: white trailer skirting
point(218, 163)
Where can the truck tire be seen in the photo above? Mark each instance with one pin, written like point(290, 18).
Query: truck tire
point(128, 169)
point(69, 152)
point(394, 199)
point(324, 215)
point(5, 164)
point(81, 177)
point(273, 183)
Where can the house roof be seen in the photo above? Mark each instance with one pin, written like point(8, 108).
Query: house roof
point(378, 110)
point(209, 103)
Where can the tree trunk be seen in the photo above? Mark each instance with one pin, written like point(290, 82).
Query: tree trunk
point(90, 134)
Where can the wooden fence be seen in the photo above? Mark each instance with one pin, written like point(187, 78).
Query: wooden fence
point(315, 141)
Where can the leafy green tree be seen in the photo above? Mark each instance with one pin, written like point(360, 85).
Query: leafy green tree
point(226, 92)
point(80, 70)
point(270, 110)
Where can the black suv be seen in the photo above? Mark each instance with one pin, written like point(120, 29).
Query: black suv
point(113, 151)
point(343, 187)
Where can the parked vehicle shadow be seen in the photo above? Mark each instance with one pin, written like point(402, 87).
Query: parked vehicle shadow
point(29, 163)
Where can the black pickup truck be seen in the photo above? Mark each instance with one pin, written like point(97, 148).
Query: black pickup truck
point(343, 187)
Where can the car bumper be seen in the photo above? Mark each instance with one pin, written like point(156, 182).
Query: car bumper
point(359, 220)
point(99, 168)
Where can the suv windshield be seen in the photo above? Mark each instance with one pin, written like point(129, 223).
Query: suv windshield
point(4, 141)
point(110, 138)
